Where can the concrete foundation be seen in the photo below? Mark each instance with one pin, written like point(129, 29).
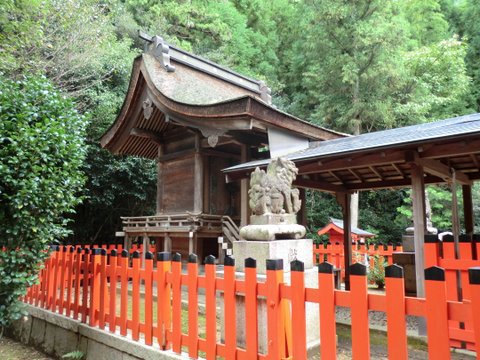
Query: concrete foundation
point(57, 335)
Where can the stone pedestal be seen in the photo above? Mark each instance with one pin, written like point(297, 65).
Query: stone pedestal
point(287, 250)
point(407, 261)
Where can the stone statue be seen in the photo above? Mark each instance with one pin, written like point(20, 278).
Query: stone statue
point(271, 192)
point(274, 203)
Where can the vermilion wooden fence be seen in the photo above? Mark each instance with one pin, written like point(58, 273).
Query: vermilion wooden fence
point(109, 293)
point(333, 253)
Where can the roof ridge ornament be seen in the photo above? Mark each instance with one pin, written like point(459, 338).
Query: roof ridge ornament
point(159, 48)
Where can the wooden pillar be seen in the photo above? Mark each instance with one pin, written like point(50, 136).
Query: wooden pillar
point(344, 199)
point(244, 207)
point(468, 209)
point(302, 215)
point(146, 247)
point(160, 181)
point(419, 223)
point(198, 177)
point(167, 243)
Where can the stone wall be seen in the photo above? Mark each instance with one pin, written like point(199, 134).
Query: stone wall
point(57, 335)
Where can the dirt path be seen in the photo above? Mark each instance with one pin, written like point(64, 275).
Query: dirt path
point(12, 350)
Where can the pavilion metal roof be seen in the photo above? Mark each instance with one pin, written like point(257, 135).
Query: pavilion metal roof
point(381, 140)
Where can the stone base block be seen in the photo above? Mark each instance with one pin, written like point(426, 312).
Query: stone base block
point(272, 232)
point(287, 250)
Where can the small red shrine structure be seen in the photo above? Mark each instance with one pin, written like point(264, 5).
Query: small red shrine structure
point(334, 229)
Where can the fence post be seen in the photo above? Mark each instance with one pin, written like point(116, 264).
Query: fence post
point(113, 291)
point(163, 298)
point(359, 311)
point(62, 268)
point(299, 330)
point(192, 268)
point(85, 284)
point(436, 313)
point(251, 308)
point(431, 250)
point(123, 291)
point(95, 288)
point(474, 280)
point(148, 298)
point(396, 324)
point(230, 311)
point(326, 286)
point(103, 287)
point(76, 290)
point(71, 250)
point(177, 303)
point(276, 331)
point(136, 295)
point(210, 307)
point(54, 283)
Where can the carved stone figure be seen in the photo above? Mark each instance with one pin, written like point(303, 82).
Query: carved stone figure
point(271, 192)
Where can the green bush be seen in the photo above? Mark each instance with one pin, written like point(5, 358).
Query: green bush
point(41, 153)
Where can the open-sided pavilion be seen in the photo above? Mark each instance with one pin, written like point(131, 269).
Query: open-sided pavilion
point(445, 151)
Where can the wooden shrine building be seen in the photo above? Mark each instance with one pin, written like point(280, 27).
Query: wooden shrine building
point(335, 232)
point(195, 118)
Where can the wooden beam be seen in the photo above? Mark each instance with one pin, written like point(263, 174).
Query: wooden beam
point(198, 178)
point(435, 167)
point(454, 148)
point(148, 134)
point(177, 155)
point(419, 223)
point(220, 154)
point(244, 203)
point(375, 171)
point(387, 184)
point(358, 161)
point(319, 185)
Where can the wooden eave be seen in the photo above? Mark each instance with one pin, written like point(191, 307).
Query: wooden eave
point(443, 160)
point(245, 113)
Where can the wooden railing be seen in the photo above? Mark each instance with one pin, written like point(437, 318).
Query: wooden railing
point(105, 292)
point(333, 253)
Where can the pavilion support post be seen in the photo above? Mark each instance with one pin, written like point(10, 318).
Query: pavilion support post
point(244, 157)
point(344, 199)
point(468, 209)
point(159, 181)
point(198, 177)
point(419, 224)
point(146, 247)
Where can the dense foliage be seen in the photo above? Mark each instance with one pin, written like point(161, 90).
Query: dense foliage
point(41, 155)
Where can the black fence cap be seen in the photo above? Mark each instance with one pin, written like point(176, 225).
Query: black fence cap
point(103, 252)
point(297, 265)
point(394, 271)
point(124, 253)
point(474, 275)
point(54, 247)
point(148, 255)
point(136, 254)
point(79, 250)
point(97, 251)
point(64, 248)
point(229, 261)
point(87, 251)
point(210, 260)
point(250, 263)
point(177, 257)
point(325, 268)
point(192, 258)
point(71, 249)
point(114, 252)
point(274, 264)
point(358, 269)
point(435, 273)
point(164, 256)
point(431, 239)
point(448, 238)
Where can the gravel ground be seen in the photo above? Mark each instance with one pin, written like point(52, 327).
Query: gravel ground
point(12, 350)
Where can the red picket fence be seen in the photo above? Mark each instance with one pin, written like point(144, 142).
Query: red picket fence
point(105, 291)
point(333, 253)
point(118, 247)
point(442, 254)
